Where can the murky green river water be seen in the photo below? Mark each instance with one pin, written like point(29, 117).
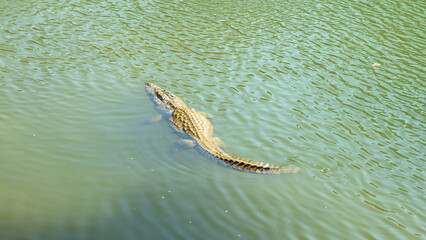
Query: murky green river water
point(291, 83)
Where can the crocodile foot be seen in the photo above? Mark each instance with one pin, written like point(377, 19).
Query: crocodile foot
point(186, 143)
point(219, 142)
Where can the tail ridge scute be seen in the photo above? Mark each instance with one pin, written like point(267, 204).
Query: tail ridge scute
point(255, 167)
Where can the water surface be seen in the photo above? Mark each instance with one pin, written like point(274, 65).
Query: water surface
point(290, 83)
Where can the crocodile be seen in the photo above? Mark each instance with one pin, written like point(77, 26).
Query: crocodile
point(199, 132)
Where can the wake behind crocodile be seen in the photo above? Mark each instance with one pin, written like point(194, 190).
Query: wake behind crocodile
point(199, 132)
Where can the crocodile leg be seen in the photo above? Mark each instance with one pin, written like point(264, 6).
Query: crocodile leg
point(207, 115)
point(219, 142)
point(156, 119)
point(186, 143)
point(181, 145)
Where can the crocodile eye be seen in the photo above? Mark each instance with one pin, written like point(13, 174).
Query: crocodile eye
point(159, 96)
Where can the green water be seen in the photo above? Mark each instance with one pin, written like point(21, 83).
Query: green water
point(291, 83)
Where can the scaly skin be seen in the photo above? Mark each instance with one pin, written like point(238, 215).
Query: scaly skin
point(200, 130)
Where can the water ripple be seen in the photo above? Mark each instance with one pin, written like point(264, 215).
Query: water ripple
point(289, 83)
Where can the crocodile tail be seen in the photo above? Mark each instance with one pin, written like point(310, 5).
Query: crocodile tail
point(243, 164)
point(284, 170)
point(255, 167)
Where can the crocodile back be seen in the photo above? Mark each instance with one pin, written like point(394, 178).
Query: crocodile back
point(193, 123)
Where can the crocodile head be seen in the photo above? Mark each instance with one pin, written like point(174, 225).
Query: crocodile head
point(165, 100)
